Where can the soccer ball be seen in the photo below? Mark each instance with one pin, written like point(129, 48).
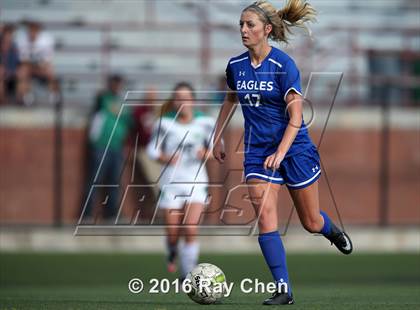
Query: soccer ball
point(208, 284)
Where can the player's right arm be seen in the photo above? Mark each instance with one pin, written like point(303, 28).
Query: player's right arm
point(225, 114)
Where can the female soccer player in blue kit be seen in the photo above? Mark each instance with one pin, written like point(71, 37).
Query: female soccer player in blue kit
point(278, 149)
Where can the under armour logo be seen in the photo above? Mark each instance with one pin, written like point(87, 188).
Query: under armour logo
point(315, 168)
point(241, 73)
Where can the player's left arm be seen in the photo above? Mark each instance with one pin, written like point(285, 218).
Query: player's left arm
point(294, 108)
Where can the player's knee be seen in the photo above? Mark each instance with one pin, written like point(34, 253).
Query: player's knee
point(173, 235)
point(267, 220)
point(190, 231)
point(312, 225)
point(265, 217)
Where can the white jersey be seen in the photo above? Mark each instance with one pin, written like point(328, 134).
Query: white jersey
point(185, 139)
point(41, 50)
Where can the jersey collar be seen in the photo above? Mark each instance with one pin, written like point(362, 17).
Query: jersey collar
point(260, 64)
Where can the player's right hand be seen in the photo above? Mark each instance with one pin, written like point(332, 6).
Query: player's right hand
point(168, 160)
point(219, 152)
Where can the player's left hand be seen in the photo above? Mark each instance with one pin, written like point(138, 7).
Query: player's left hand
point(273, 161)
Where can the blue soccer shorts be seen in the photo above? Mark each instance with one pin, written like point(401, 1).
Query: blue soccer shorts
point(296, 171)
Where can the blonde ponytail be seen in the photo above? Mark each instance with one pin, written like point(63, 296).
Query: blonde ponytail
point(296, 13)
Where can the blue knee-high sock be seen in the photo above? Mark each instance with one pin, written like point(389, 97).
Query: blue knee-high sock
point(326, 229)
point(275, 256)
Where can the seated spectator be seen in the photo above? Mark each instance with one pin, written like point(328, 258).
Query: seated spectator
point(9, 62)
point(36, 50)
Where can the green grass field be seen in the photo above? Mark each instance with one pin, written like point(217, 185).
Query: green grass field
point(99, 281)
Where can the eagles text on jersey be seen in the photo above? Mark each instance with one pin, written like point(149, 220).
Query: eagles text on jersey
point(262, 92)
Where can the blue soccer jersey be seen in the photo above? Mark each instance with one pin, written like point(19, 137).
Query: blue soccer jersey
point(262, 92)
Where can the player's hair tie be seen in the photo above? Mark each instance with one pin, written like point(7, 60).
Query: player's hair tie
point(257, 8)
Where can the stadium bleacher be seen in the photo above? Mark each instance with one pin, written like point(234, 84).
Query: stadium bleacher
point(140, 39)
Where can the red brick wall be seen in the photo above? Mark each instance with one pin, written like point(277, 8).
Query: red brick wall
point(350, 159)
